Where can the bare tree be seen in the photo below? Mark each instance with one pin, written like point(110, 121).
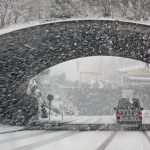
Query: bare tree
point(124, 5)
point(106, 8)
point(14, 11)
point(9, 12)
point(4, 9)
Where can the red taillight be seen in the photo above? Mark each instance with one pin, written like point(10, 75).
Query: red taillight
point(117, 115)
point(140, 115)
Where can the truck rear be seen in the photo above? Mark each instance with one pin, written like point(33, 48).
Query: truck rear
point(129, 113)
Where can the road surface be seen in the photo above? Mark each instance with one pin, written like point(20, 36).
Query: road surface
point(74, 140)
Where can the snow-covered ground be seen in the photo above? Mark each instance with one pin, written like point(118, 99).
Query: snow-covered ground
point(129, 141)
point(74, 140)
point(106, 119)
point(94, 119)
point(6, 128)
point(36, 23)
point(90, 140)
point(84, 119)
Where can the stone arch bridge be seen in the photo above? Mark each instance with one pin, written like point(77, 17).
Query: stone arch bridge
point(26, 52)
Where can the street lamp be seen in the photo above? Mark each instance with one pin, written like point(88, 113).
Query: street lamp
point(50, 98)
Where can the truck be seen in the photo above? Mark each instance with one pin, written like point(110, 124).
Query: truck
point(129, 113)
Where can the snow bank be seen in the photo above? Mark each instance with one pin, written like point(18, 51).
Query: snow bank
point(6, 128)
point(32, 24)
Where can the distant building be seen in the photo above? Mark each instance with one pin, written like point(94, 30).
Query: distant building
point(134, 75)
point(91, 76)
point(102, 79)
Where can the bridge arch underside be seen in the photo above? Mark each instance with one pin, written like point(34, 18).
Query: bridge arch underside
point(25, 53)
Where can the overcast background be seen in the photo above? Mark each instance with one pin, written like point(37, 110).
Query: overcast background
point(101, 64)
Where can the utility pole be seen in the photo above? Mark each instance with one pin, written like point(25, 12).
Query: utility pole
point(78, 69)
point(147, 59)
point(63, 113)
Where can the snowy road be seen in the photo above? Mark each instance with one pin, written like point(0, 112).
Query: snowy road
point(94, 119)
point(129, 141)
point(105, 119)
point(75, 140)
